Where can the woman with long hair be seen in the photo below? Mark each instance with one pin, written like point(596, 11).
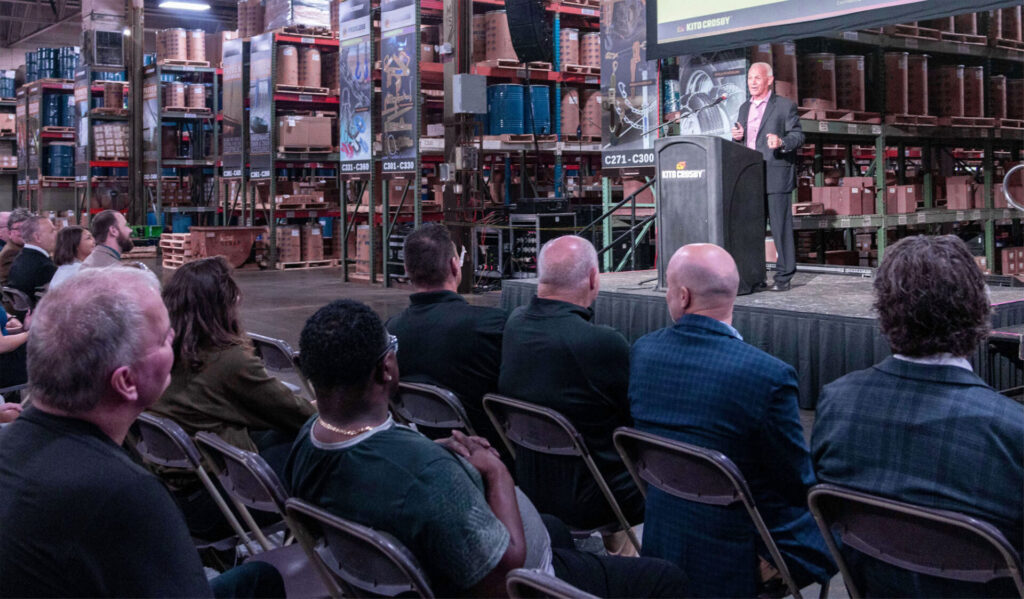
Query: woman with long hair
point(218, 384)
point(74, 244)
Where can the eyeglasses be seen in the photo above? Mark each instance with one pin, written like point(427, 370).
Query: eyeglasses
point(392, 345)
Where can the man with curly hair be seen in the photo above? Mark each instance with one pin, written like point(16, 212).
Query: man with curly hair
point(920, 426)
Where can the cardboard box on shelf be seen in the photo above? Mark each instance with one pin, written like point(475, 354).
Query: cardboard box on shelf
point(312, 242)
point(902, 199)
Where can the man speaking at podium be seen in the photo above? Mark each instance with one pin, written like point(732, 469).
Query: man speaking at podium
point(769, 124)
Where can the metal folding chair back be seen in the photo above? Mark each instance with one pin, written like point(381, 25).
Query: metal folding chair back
point(363, 561)
point(545, 431)
point(431, 408)
point(279, 357)
point(925, 540)
point(694, 474)
point(164, 443)
point(531, 584)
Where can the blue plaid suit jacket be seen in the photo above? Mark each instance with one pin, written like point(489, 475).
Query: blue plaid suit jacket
point(931, 435)
point(699, 383)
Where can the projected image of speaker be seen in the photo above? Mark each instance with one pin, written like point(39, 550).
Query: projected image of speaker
point(531, 28)
point(711, 190)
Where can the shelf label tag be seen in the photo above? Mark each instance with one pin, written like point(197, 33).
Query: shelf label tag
point(960, 215)
point(876, 129)
point(851, 128)
point(850, 35)
point(866, 222)
point(307, 40)
point(901, 219)
point(823, 126)
point(844, 223)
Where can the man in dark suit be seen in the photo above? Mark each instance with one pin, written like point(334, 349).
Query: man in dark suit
point(445, 341)
point(769, 124)
point(920, 426)
point(698, 382)
point(33, 268)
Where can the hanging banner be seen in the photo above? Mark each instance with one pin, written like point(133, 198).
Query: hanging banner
point(355, 86)
point(234, 108)
point(399, 66)
point(629, 88)
point(704, 80)
point(261, 59)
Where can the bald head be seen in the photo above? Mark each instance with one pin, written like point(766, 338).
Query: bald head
point(567, 270)
point(702, 279)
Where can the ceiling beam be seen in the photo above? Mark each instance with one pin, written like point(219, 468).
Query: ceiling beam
point(38, 32)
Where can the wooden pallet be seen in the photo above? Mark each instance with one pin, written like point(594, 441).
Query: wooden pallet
point(912, 120)
point(145, 251)
point(963, 38)
point(501, 63)
point(330, 263)
point(801, 208)
point(912, 31)
point(581, 69)
point(581, 139)
point(538, 65)
point(305, 149)
point(967, 121)
point(44, 180)
point(55, 129)
point(111, 111)
point(111, 159)
point(1007, 44)
point(303, 206)
point(170, 62)
point(281, 88)
point(850, 116)
point(582, 3)
point(308, 31)
point(510, 138)
point(48, 80)
point(187, 109)
point(1010, 123)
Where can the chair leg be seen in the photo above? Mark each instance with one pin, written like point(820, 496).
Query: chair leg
point(823, 593)
point(235, 525)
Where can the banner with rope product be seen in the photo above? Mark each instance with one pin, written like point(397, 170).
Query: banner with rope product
point(355, 87)
point(399, 66)
point(628, 103)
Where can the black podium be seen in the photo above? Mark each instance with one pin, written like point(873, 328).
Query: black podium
point(711, 190)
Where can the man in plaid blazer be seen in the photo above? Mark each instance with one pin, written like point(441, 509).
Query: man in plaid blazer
point(698, 382)
point(920, 426)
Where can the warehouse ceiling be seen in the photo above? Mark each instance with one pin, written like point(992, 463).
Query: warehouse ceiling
point(52, 22)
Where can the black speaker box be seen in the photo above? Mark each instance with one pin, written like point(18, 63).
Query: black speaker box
point(531, 29)
point(711, 190)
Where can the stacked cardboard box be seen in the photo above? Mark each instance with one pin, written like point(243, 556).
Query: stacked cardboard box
point(289, 244)
point(312, 242)
point(902, 199)
point(304, 131)
point(110, 141)
point(284, 13)
point(250, 18)
point(963, 193)
point(1012, 260)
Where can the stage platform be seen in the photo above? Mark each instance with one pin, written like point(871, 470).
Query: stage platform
point(824, 326)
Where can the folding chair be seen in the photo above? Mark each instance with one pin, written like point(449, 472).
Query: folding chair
point(430, 407)
point(279, 358)
point(925, 540)
point(546, 431)
point(531, 584)
point(695, 474)
point(250, 483)
point(361, 561)
point(164, 443)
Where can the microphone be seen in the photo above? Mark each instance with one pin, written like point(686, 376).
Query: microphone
point(718, 100)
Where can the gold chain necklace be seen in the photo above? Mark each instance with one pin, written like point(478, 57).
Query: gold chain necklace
point(343, 431)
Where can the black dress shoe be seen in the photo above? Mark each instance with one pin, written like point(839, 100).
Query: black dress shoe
point(780, 286)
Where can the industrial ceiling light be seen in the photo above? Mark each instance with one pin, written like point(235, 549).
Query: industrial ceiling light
point(185, 5)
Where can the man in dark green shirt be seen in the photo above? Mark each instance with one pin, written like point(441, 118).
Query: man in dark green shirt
point(452, 503)
point(446, 341)
point(553, 356)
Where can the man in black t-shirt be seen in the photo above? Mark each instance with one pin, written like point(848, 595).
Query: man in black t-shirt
point(80, 518)
point(445, 341)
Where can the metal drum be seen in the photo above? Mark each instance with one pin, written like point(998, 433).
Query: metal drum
point(287, 65)
point(67, 110)
point(195, 47)
point(505, 109)
point(174, 94)
point(818, 79)
point(310, 71)
point(539, 98)
point(196, 95)
point(850, 82)
point(590, 50)
point(51, 110)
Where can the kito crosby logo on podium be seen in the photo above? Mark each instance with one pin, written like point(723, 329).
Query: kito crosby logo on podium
point(681, 173)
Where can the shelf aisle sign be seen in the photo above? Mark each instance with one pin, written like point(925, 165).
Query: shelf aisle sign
point(355, 84)
point(629, 89)
point(261, 97)
point(234, 108)
point(399, 65)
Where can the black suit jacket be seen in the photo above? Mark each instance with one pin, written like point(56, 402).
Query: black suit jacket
point(30, 271)
point(780, 118)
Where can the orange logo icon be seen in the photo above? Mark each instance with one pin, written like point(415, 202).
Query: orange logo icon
point(681, 166)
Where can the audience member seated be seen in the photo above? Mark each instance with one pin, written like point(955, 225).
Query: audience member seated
point(14, 242)
point(920, 426)
point(453, 504)
point(698, 382)
point(219, 385)
point(553, 356)
point(33, 268)
point(74, 244)
point(5, 215)
point(81, 519)
point(112, 236)
point(445, 341)
point(13, 336)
